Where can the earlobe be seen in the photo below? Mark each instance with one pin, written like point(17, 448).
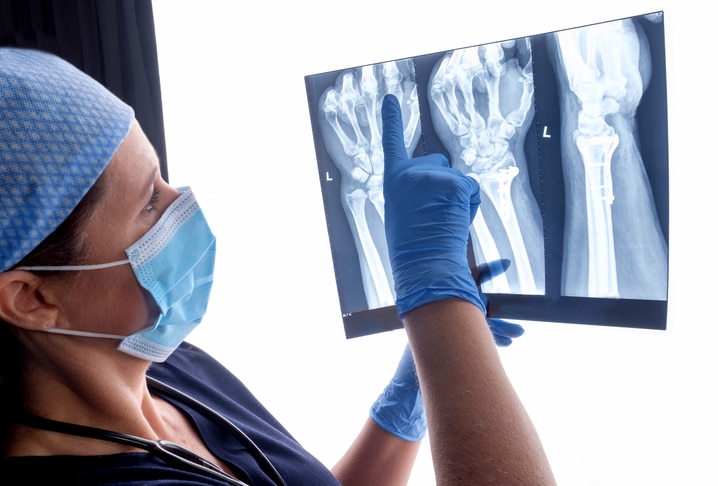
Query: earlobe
point(23, 302)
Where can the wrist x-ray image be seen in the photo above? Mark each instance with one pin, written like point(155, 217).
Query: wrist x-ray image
point(566, 133)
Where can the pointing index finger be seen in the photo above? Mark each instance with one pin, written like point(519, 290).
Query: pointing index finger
point(393, 130)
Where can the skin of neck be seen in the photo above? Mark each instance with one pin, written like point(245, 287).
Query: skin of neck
point(85, 381)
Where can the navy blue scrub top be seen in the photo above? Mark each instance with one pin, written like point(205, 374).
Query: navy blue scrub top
point(194, 372)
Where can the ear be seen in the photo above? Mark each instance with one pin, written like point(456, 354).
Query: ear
point(24, 301)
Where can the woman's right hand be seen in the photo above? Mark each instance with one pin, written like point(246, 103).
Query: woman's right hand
point(428, 209)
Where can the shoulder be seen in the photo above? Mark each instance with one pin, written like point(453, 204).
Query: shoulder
point(188, 361)
point(194, 372)
point(189, 355)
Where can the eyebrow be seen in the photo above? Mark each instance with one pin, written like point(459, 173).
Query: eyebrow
point(151, 180)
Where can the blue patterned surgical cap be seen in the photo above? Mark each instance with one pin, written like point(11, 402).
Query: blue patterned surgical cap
point(59, 129)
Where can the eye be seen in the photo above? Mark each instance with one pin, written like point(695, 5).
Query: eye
point(153, 201)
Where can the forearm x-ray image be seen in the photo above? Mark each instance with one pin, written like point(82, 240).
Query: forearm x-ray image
point(350, 122)
point(613, 243)
point(482, 106)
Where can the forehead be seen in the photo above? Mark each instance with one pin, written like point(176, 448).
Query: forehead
point(117, 220)
point(135, 164)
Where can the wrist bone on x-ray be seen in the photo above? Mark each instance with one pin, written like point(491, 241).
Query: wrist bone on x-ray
point(614, 246)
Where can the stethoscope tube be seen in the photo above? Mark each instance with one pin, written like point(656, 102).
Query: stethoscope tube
point(169, 452)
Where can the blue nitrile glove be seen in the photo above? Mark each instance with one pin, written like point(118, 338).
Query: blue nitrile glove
point(503, 331)
point(400, 409)
point(428, 210)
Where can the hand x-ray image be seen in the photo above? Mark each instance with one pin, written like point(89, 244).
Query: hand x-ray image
point(350, 124)
point(482, 106)
point(566, 133)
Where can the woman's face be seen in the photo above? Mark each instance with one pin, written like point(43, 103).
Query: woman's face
point(111, 300)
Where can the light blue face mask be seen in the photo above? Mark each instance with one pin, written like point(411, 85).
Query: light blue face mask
point(174, 262)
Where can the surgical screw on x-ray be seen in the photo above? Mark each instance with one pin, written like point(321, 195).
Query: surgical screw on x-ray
point(613, 243)
point(482, 106)
point(350, 123)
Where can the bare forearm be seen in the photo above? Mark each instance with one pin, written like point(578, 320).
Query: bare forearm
point(377, 457)
point(480, 432)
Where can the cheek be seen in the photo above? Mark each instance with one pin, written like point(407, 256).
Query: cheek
point(136, 307)
point(119, 304)
point(151, 306)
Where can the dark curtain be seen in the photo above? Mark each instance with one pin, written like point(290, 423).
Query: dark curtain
point(111, 40)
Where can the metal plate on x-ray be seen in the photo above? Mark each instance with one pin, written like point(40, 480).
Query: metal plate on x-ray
point(566, 133)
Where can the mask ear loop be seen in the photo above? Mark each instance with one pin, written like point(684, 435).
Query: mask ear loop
point(73, 268)
point(73, 332)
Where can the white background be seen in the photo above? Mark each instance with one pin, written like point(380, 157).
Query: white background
point(614, 406)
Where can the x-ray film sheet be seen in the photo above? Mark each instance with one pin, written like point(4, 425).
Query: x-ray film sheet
point(566, 133)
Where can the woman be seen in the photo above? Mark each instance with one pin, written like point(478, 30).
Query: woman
point(106, 269)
